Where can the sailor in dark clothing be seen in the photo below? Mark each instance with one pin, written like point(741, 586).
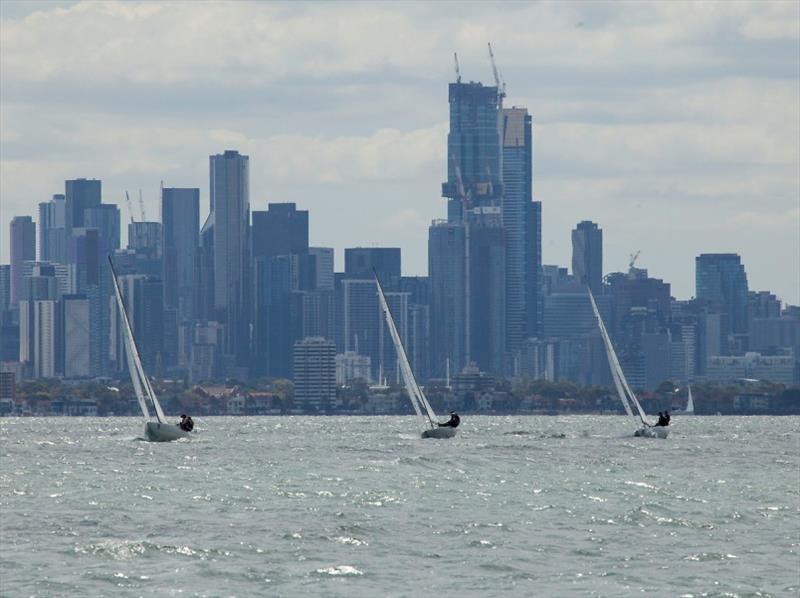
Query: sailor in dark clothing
point(662, 421)
point(666, 418)
point(452, 422)
point(186, 424)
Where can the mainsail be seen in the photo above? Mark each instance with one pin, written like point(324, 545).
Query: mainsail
point(141, 384)
point(624, 391)
point(415, 394)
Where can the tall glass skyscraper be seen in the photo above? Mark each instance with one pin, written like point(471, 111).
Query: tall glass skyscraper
point(587, 255)
point(230, 214)
point(721, 280)
point(23, 248)
point(180, 222)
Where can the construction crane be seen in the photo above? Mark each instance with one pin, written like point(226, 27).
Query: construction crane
point(458, 70)
point(130, 208)
point(633, 259)
point(498, 80)
point(141, 206)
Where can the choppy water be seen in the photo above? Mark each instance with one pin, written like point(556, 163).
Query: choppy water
point(345, 506)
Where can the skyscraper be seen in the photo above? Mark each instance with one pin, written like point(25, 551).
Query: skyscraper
point(230, 215)
point(23, 248)
point(473, 149)
point(323, 257)
point(364, 262)
point(522, 221)
point(73, 338)
point(52, 232)
point(80, 194)
point(587, 255)
point(281, 230)
point(721, 280)
point(180, 241)
point(105, 218)
point(447, 272)
point(145, 238)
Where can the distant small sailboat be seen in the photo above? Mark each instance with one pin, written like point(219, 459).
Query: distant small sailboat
point(624, 391)
point(159, 430)
point(415, 394)
point(689, 404)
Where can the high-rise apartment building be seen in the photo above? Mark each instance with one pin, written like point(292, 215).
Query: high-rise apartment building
point(230, 217)
point(74, 337)
point(145, 238)
point(587, 255)
point(721, 280)
point(23, 248)
point(315, 374)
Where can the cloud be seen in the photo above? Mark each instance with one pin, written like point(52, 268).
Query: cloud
point(661, 121)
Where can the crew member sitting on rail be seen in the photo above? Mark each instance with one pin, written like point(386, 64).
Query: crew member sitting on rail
point(452, 422)
point(662, 420)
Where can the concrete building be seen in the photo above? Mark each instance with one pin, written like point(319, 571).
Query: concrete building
point(145, 238)
point(79, 195)
point(281, 230)
point(352, 366)
point(104, 218)
point(314, 374)
point(779, 369)
point(74, 337)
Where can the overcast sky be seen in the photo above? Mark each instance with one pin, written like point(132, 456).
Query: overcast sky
point(674, 125)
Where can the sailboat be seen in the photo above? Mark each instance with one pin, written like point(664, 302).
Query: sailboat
point(689, 404)
point(624, 391)
point(421, 405)
point(155, 431)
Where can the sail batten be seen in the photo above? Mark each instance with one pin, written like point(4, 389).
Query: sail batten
point(415, 394)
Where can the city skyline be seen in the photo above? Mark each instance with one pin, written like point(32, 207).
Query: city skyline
point(694, 143)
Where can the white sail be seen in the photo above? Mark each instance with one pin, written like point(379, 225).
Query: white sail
point(623, 390)
point(690, 402)
point(415, 394)
point(141, 384)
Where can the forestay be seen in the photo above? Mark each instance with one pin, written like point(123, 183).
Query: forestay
point(415, 394)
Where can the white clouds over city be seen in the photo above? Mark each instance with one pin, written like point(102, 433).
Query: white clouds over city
point(674, 125)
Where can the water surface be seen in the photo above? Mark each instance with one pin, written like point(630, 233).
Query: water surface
point(352, 506)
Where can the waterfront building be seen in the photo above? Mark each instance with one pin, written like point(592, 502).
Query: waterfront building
point(314, 374)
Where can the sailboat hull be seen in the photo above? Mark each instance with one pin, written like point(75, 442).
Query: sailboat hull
point(439, 433)
point(653, 432)
point(158, 432)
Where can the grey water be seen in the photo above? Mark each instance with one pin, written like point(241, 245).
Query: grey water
point(356, 506)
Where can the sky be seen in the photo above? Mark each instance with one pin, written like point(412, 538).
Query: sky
point(675, 126)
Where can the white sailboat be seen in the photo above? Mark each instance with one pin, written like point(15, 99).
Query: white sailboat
point(624, 391)
point(421, 406)
point(689, 404)
point(159, 430)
